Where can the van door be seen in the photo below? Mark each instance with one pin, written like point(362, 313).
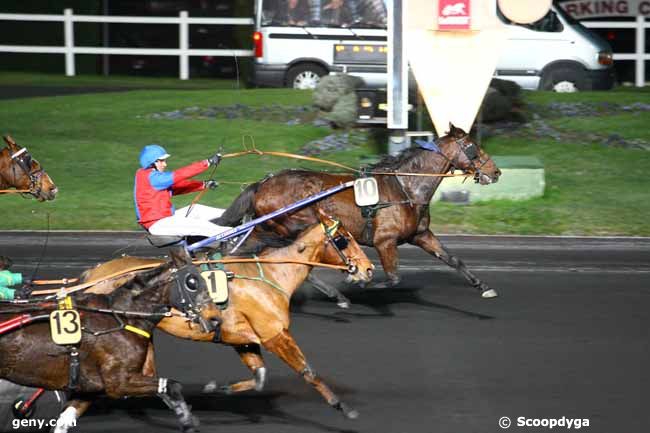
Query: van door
point(530, 47)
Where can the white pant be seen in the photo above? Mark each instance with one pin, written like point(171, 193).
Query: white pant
point(197, 223)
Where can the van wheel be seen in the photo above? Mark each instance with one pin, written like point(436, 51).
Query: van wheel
point(305, 76)
point(564, 79)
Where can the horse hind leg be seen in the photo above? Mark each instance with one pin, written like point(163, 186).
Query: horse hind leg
point(251, 357)
point(285, 347)
point(429, 243)
point(329, 291)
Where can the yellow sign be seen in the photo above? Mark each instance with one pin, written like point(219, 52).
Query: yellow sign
point(217, 282)
point(65, 326)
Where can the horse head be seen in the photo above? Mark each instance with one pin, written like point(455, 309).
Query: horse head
point(177, 283)
point(342, 248)
point(470, 158)
point(19, 170)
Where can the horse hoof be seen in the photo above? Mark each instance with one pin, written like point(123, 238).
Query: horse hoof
point(489, 293)
point(343, 304)
point(348, 412)
point(212, 388)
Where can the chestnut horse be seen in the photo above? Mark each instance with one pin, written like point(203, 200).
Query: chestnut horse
point(401, 216)
point(20, 171)
point(258, 308)
point(110, 356)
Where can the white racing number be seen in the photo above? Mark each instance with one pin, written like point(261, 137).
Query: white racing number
point(217, 282)
point(65, 326)
point(366, 191)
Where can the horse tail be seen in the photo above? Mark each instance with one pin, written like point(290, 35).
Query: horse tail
point(242, 206)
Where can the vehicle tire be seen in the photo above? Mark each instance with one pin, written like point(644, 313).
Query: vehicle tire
point(46, 407)
point(564, 79)
point(305, 76)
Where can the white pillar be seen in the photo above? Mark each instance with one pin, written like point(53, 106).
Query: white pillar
point(640, 51)
point(184, 45)
point(68, 33)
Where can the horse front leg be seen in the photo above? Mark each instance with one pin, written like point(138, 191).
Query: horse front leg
point(430, 243)
point(387, 251)
point(137, 385)
point(69, 416)
point(251, 357)
point(285, 347)
point(329, 291)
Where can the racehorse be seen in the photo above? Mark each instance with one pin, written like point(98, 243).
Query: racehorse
point(20, 171)
point(259, 297)
point(401, 216)
point(114, 345)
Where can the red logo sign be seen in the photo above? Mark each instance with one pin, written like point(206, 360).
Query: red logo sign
point(454, 14)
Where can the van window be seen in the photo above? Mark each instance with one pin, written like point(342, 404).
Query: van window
point(324, 13)
point(548, 23)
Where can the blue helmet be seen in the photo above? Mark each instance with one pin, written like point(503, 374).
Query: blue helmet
point(152, 153)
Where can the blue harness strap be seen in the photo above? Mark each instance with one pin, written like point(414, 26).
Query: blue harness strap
point(428, 145)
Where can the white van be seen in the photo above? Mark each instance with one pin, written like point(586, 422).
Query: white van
point(297, 42)
point(556, 53)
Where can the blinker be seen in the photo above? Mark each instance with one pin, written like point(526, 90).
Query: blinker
point(341, 242)
point(471, 152)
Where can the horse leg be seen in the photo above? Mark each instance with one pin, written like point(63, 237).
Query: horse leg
point(149, 367)
point(136, 385)
point(285, 347)
point(430, 243)
point(387, 251)
point(329, 291)
point(251, 357)
point(69, 416)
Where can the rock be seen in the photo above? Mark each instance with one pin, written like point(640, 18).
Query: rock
point(332, 87)
point(344, 112)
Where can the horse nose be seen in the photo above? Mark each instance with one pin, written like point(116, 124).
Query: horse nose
point(498, 173)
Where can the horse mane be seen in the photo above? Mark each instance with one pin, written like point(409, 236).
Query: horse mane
point(261, 239)
point(390, 162)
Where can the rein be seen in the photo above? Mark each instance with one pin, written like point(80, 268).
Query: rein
point(73, 289)
point(254, 151)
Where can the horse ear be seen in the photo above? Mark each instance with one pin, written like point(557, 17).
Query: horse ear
point(179, 257)
point(322, 215)
point(11, 144)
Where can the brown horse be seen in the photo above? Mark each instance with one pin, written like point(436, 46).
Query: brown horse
point(114, 345)
point(258, 307)
point(20, 171)
point(401, 216)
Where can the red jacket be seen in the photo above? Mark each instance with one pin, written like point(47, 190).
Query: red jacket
point(153, 190)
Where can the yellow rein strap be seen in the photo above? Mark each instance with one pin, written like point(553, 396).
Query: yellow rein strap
point(138, 331)
point(10, 191)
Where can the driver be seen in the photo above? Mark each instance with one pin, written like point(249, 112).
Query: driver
point(154, 188)
point(8, 279)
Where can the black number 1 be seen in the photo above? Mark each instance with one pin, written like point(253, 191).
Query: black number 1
point(213, 282)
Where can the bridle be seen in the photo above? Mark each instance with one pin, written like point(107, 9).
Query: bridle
point(473, 155)
point(23, 160)
point(339, 243)
point(184, 296)
point(468, 148)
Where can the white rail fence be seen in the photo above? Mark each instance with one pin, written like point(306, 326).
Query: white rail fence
point(639, 56)
point(184, 51)
point(69, 49)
